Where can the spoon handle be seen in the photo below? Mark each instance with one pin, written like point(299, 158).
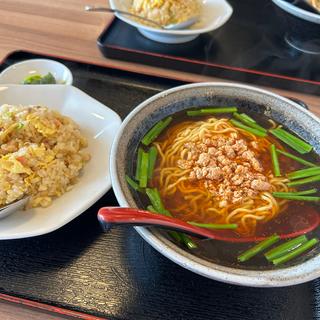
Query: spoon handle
point(109, 216)
point(106, 9)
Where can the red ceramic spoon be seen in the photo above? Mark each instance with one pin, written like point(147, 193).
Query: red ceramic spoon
point(109, 216)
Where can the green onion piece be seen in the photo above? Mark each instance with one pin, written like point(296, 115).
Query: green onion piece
point(240, 125)
point(284, 248)
point(20, 125)
point(175, 235)
point(194, 113)
point(218, 110)
point(157, 205)
point(298, 198)
point(154, 197)
point(151, 208)
point(303, 181)
point(144, 170)
point(134, 185)
point(294, 142)
point(214, 226)
point(155, 131)
point(32, 79)
point(304, 173)
point(301, 249)
point(248, 122)
point(245, 116)
point(206, 111)
point(48, 79)
point(187, 241)
point(248, 254)
point(275, 161)
point(293, 157)
point(298, 193)
point(153, 152)
point(138, 166)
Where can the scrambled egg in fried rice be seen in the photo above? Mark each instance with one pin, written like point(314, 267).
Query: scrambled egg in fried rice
point(40, 154)
point(166, 11)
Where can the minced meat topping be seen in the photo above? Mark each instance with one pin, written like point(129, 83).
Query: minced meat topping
point(228, 167)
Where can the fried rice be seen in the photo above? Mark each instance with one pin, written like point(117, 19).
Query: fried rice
point(166, 11)
point(41, 154)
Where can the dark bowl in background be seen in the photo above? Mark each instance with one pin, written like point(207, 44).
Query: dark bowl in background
point(303, 26)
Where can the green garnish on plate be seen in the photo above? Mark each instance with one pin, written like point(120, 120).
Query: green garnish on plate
point(38, 79)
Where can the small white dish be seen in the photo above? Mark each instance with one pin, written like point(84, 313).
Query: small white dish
point(98, 124)
point(214, 14)
point(16, 73)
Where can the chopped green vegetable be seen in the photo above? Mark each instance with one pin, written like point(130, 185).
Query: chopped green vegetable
point(155, 131)
point(284, 248)
point(240, 125)
point(248, 122)
point(143, 179)
point(32, 79)
point(138, 166)
point(214, 226)
point(245, 116)
point(303, 181)
point(194, 113)
point(296, 197)
point(48, 79)
point(154, 197)
point(187, 241)
point(38, 79)
point(153, 152)
point(294, 142)
point(275, 161)
point(156, 204)
point(8, 114)
point(151, 208)
point(293, 157)
point(296, 252)
point(206, 111)
point(20, 125)
point(219, 110)
point(304, 173)
point(259, 247)
point(298, 193)
point(134, 185)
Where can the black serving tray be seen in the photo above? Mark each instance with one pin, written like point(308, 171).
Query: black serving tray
point(117, 275)
point(250, 47)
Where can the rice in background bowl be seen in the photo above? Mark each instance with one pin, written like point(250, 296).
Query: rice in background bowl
point(166, 11)
point(41, 154)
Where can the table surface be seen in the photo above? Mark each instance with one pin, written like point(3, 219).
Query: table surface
point(62, 28)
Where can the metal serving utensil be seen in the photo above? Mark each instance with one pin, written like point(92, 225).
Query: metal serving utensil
point(175, 26)
point(13, 207)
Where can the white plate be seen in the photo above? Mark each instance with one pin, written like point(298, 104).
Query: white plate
point(214, 14)
point(99, 124)
point(17, 72)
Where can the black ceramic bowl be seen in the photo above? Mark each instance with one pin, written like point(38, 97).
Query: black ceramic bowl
point(303, 26)
point(249, 99)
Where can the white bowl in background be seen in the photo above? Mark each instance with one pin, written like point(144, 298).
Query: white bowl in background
point(16, 73)
point(214, 14)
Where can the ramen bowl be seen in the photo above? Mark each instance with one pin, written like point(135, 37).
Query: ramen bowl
point(250, 100)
